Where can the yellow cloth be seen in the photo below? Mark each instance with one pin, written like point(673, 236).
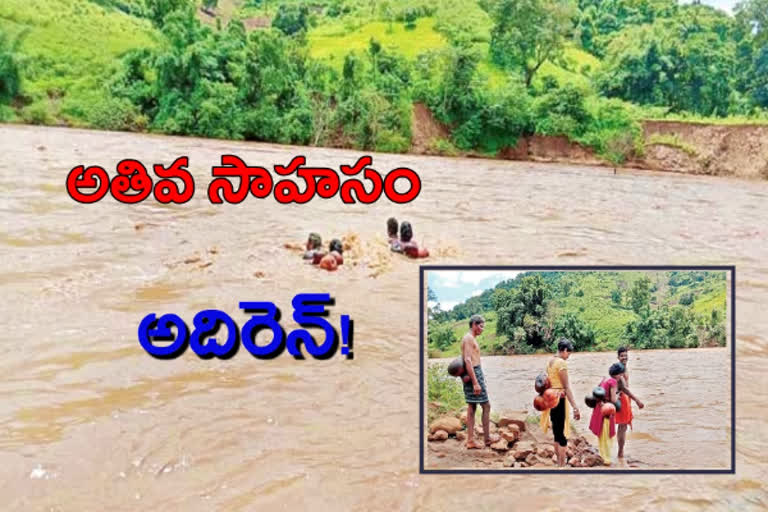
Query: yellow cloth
point(553, 372)
point(604, 441)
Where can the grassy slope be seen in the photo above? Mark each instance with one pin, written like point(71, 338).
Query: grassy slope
point(335, 41)
point(597, 308)
point(70, 49)
point(72, 46)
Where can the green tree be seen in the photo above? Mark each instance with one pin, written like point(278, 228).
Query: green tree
point(525, 309)
point(640, 296)
point(753, 14)
point(679, 327)
point(527, 33)
point(10, 77)
point(575, 329)
point(157, 10)
point(616, 297)
point(441, 336)
point(687, 63)
point(291, 19)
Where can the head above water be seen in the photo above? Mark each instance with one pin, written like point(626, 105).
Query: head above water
point(392, 227)
point(336, 245)
point(314, 241)
point(406, 231)
point(616, 369)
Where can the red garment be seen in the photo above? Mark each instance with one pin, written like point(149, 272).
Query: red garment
point(596, 422)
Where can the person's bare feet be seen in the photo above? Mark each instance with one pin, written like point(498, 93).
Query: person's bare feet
point(472, 445)
point(491, 439)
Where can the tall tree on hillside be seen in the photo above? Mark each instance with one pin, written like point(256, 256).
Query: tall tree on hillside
point(754, 14)
point(640, 296)
point(522, 311)
point(753, 17)
point(433, 311)
point(575, 329)
point(687, 63)
point(526, 33)
point(10, 78)
point(157, 10)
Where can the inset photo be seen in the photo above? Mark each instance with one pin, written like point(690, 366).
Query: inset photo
point(589, 369)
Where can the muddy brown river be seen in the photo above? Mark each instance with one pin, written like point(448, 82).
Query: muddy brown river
point(89, 421)
point(686, 393)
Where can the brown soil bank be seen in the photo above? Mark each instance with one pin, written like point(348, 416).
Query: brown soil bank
point(691, 148)
point(722, 150)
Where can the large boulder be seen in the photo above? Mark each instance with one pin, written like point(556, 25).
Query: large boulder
point(461, 435)
point(447, 423)
point(531, 459)
point(514, 418)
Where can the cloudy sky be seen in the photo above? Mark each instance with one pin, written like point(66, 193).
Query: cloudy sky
point(455, 286)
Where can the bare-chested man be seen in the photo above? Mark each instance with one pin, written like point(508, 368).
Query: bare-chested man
point(475, 391)
point(624, 416)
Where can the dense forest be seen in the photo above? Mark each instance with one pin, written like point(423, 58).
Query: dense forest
point(348, 72)
point(596, 310)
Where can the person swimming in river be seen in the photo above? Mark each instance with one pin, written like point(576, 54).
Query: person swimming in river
point(333, 258)
point(409, 246)
point(394, 240)
point(314, 245)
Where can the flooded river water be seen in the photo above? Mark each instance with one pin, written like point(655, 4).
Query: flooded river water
point(89, 421)
point(686, 422)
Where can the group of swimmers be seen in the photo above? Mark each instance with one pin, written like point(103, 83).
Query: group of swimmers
point(329, 260)
point(333, 257)
point(405, 243)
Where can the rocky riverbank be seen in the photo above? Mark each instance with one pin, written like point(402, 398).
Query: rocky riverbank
point(521, 444)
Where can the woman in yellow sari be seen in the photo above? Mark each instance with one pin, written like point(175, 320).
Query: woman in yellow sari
point(557, 371)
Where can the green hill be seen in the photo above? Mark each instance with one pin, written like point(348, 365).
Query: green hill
point(69, 50)
point(599, 310)
point(347, 72)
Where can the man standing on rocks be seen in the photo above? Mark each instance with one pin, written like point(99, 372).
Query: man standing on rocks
point(475, 391)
